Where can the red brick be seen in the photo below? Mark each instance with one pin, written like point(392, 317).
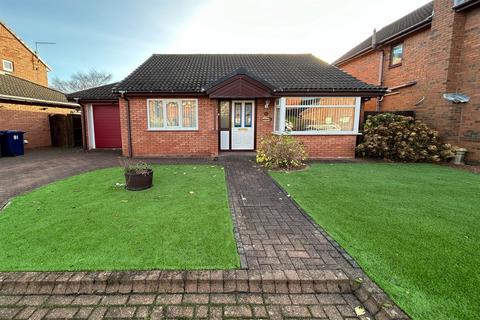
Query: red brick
point(442, 57)
point(25, 64)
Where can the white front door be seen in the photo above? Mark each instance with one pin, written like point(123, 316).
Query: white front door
point(243, 125)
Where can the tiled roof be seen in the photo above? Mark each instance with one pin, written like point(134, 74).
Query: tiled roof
point(460, 5)
point(193, 73)
point(98, 93)
point(16, 89)
point(422, 15)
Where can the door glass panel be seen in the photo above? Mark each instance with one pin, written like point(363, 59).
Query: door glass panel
point(238, 114)
point(248, 114)
point(172, 114)
point(225, 115)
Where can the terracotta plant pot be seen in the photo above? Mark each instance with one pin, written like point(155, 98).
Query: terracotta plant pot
point(138, 181)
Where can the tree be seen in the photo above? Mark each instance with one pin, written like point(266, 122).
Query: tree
point(81, 81)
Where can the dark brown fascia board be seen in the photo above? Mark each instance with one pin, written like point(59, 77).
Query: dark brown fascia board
point(393, 38)
point(94, 100)
point(466, 5)
point(234, 78)
point(164, 94)
point(276, 94)
point(364, 94)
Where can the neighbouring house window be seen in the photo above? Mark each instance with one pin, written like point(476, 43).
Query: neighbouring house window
point(172, 114)
point(396, 55)
point(7, 65)
point(317, 115)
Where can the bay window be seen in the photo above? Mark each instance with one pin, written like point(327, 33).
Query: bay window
point(317, 115)
point(172, 114)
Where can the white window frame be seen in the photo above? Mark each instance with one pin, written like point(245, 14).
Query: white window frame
point(283, 107)
point(180, 115)
point(6, 68)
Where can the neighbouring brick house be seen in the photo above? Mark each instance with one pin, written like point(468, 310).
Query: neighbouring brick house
point(420, 57)
point(25, 100)
point(201, 104)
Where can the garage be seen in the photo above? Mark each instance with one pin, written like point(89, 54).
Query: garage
point(100, 117)
point(106, 126)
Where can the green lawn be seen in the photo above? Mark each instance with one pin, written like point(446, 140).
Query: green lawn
point(87, 223)
point(414, 228)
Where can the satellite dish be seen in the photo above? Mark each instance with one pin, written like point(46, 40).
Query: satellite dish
point(456, 97)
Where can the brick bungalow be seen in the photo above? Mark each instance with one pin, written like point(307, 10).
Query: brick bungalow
point(432, 51)
point(201, 104)
point(26, 102)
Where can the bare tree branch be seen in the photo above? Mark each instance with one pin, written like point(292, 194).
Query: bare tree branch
point(81, 81)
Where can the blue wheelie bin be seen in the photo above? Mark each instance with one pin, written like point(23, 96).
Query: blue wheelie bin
point(12, 143)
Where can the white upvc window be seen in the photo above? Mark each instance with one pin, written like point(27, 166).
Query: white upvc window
point(317, 115)
point(7, 65)
point(172, 114)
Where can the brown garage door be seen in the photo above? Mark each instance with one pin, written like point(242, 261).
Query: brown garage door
point(106, 121)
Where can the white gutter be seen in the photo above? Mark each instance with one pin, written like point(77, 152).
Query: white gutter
point(33, 100)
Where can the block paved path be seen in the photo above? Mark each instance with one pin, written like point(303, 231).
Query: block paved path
point(274, 233)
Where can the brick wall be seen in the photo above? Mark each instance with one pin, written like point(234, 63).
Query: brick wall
point(25, 64)
point(365, 68)
point(30, 119)
point(454, 60)
point(413, 68)
point(468, 76)
point(442, 58)
point(203, 142)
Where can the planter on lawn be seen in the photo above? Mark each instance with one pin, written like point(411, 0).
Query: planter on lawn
point(139, 181)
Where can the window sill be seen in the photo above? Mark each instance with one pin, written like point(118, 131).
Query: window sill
point(172, 130)
point(392, 66)
point(327, 133)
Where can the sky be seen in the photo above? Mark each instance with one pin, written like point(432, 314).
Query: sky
point(116, 36)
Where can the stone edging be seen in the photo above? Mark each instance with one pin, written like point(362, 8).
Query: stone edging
point(205, 281)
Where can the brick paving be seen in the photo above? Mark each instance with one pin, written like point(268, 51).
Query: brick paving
point(273, 233)
point(290, 267)
point(198, 306)
point(41, 166)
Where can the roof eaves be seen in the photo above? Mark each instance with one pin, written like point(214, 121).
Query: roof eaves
point(26, 46)
point(238, 72)
point(465, 5)
point(393, 37)
point(39, 101)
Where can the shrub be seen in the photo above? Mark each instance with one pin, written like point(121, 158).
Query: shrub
point(401, 138)
point(137, 168)
point(281, 151)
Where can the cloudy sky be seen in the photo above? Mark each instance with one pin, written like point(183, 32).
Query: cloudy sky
point(117, 35)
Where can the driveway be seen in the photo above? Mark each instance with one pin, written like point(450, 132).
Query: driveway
point(41, 166)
